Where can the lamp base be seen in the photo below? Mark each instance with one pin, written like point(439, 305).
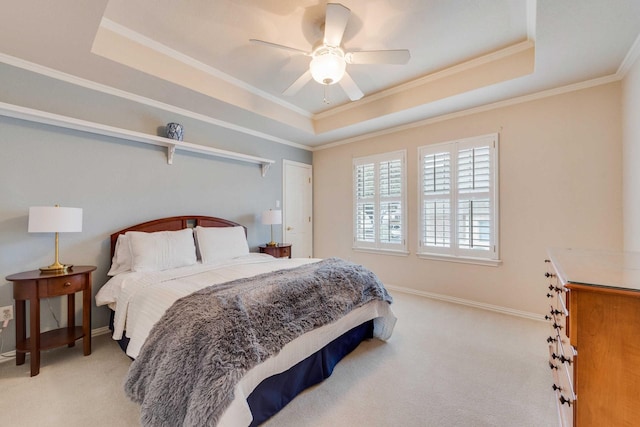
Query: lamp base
point(272, 243)
point(56, 267)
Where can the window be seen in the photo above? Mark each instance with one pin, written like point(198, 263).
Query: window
point(379, 202)
point(459, 199)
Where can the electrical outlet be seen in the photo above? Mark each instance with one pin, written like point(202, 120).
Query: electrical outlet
point(6, 312)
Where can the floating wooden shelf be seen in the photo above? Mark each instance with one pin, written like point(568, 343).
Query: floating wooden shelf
point(38, 116)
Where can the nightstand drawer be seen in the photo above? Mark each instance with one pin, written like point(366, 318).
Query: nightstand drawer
point(65, 285)
point(285, 252)
point(281, 250)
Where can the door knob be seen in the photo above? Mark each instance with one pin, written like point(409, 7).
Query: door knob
point(289, 228)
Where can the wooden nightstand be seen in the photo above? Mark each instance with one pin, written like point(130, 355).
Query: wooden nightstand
point(33, 285)
point(282, 250)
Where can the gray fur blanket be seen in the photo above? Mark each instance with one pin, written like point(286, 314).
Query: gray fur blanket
point(205, 342)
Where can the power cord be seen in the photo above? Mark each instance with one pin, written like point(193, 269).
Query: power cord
point(4, 325)
point(52, 313)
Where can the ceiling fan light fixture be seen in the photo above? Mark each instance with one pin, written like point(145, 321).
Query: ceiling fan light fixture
point(327, 66)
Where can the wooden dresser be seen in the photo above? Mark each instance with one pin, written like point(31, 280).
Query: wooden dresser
point(594, 345)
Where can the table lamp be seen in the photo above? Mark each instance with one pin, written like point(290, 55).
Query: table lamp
point(272, 217)
point(55, 219)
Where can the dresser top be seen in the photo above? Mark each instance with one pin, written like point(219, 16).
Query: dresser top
point(606, 269)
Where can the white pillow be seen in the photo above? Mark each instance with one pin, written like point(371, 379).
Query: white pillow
point(121, 262)
point(220, 243)
point(161, 250)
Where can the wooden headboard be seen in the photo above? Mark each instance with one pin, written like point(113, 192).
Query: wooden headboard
point(175, 223)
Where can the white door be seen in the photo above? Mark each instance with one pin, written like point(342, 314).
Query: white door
point(297, 225)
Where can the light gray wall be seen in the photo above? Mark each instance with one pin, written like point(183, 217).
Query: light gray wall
point(116, 182)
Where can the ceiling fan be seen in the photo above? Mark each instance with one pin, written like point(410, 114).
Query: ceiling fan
point(329, 59)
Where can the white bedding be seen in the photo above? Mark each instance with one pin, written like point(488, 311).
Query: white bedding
point(140, 300)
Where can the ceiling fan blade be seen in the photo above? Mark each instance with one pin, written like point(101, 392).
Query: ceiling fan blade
point(279, 46)
point(335, 23)
point(298, 84)
point(400, 56)
point(350, 87)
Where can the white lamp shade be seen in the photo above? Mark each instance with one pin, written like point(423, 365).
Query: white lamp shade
point(54, 219)
point(327, 68)
point(272, 217)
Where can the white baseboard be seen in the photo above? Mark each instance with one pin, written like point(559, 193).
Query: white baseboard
point(11, 355)
point(470, 303)
point(100, 331)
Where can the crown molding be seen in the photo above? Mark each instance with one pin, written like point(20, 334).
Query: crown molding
point(532, 16)
point(109, 90)
point(194, 63)
point(630, 58)
point(475, 110)
point(430, 78)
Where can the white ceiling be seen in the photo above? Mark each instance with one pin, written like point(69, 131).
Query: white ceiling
point(196, 55)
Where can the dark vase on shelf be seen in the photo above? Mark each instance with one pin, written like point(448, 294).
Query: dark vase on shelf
point(174, 131)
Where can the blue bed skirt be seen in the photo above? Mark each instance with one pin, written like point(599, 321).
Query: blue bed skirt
point(275, 392)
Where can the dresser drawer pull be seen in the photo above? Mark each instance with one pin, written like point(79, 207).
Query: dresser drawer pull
point(556, 326)
point(549, 274)
point(555, 288)
point(564, 400)
point(556, 312)
point(547, 317)
point(552, 339)
point(556, 387)
point(552, 366)
point(561, 358)
point(67, 284)
point(550, 295)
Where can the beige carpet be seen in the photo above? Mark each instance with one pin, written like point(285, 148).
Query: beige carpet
point(446, 365)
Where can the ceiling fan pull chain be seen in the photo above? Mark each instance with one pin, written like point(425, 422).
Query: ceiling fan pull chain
point(325, 99)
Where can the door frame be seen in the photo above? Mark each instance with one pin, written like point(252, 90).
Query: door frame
point(308, 166)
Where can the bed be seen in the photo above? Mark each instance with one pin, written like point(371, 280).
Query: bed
point(221, 336)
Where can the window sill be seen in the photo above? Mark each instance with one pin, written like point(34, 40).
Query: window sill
point(463, 260)
point(382, 251)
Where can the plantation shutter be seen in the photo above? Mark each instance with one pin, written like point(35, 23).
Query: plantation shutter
point(474, 204)
point(391, 202)
point(365, 199)
point(436, 200)
point(459, 214)
point(379, 202)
